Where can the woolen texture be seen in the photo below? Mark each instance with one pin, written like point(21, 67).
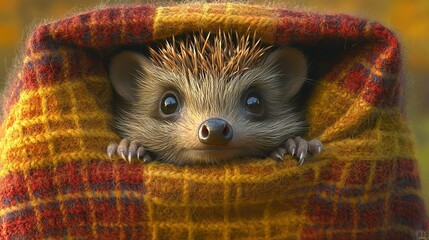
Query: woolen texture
point(56, 180)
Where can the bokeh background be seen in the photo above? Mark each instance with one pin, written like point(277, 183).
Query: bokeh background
point(408, 18)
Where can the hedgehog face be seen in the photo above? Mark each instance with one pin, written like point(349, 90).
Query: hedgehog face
point(186, 116)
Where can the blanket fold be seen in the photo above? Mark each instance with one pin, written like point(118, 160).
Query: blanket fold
point(56, 180)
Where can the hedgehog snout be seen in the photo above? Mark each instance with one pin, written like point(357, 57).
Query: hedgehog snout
point(215, 131)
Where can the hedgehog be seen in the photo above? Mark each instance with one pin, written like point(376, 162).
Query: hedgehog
point(209, 98)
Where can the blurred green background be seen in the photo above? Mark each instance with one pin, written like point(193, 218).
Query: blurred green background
point(409, 18)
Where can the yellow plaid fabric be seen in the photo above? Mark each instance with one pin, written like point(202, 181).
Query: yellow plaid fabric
point(57, 182)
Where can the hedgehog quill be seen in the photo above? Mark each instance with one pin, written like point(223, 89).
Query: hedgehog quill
point(209, 98)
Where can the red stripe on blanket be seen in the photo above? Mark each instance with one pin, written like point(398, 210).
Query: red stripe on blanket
point(69, 197)
point(63, 201)
point(378, 89)
point(96, 29)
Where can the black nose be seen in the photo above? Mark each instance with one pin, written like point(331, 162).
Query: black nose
point(215, 131)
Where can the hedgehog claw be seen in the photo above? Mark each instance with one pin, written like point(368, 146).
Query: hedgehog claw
point(301, 159)
point(147, 158)
point(140, 153)
point(300, 148)
point(315, 146)
point(111, 149)
point(290, 146)
point(276, 156)
point(128, 151)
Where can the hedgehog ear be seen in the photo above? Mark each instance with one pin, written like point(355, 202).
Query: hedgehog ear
point(292, 66)
point(125, 69)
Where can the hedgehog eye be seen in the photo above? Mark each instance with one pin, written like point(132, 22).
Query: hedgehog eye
point(254, 105)
point(169, 103)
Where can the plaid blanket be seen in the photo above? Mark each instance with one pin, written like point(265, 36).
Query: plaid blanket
point(56, 180)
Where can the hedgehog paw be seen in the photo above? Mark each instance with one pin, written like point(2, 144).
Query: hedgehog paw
point(298, 147)
point(128, 150)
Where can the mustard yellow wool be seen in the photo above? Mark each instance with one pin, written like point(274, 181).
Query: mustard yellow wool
point(56, 180)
